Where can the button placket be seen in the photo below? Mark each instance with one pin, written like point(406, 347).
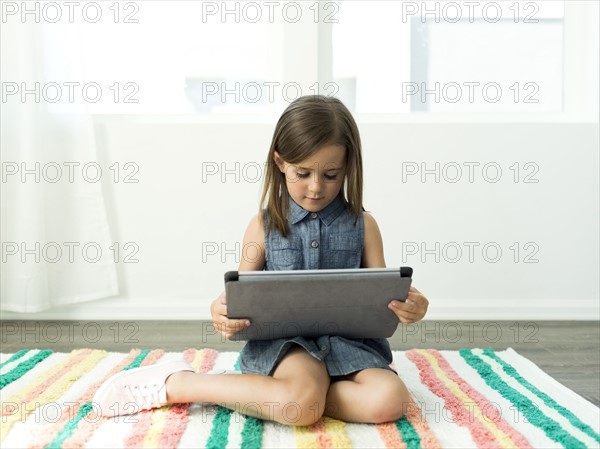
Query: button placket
point(314, 227)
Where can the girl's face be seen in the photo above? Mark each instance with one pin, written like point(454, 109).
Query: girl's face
point(316, 181)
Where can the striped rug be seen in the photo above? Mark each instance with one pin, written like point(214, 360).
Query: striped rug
point(462, 399)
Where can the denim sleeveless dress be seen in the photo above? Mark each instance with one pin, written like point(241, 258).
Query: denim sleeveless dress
point(329, 238)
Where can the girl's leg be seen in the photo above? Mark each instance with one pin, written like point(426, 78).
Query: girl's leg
point(373, 395)
point(295, 394)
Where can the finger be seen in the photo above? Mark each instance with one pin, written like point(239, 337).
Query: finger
point(235, 325)
point(403, 306)
point(411, 315)
point(221, 309)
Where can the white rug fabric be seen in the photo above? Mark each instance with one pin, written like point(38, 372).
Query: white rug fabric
point(472, 398)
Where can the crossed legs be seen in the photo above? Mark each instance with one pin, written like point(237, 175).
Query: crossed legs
point(298, 393)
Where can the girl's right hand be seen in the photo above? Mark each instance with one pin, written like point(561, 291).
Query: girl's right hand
point(226, 327)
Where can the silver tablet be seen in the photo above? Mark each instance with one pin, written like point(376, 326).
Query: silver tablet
point(350, 303)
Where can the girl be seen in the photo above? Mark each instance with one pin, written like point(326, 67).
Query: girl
point(312, 218)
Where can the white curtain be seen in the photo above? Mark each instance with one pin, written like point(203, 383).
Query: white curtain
point(56, 244)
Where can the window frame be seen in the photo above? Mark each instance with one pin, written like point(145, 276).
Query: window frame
point(303, 40)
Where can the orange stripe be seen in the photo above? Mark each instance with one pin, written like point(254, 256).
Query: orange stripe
point(482, 402)
point(60, 378)
point(88, 426)
point(415, 417)
point(175, 419)
point(321, 435)
point(390, 435)
point(34, 389)
point(178, 415)
point(458, 395)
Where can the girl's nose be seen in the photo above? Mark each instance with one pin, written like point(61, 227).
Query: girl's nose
point(315, 186)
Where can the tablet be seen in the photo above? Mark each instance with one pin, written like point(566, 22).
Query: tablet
point(350, 303)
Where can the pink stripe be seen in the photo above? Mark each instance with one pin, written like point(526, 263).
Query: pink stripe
point(189, 355)
point(391, 436)
point(481, 402)
point(135, 438)
point(415, 417)
point(320, 432)
point(480, 434)
point(49, 431)
point(74, 360)
point(208, 362)
point(175, 424)
point(90, 424)
point(177, 415)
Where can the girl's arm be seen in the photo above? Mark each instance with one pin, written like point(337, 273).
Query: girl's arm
point(252, 259)
point(416, 304)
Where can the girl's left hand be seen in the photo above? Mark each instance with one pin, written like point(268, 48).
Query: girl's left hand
point(413, 309)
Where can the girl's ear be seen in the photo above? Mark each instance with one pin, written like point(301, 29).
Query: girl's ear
point(279, 161)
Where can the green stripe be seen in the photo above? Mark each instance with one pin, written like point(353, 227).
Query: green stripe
point(253, 427)
point(220, 429)
point(252, 433)
point(72, 424)
point(23, 368)
point(550, 427)
point(574, 420)
point(14, 357)
point(409, 434)
point(219, 434)
point(135, 363)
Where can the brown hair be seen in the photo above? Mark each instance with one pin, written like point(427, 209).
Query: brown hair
point(307, 124)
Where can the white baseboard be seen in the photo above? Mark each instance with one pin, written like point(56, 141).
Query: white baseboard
point(174, 309)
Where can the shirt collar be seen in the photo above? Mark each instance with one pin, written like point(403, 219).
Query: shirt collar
point(327, 215)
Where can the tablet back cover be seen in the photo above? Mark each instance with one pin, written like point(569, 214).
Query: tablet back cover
point(311, 303)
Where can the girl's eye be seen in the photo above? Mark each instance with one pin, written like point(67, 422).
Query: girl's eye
point(331, 177)
point(302, 175)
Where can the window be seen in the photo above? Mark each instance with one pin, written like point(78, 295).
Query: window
point(450, 56)
point(380, 57)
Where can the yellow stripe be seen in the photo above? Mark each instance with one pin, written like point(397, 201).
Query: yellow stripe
point(159, 416)
point(54, 391)
point(337, 430)
point(27, 389)
point(502, 437)
point(198, 357)
point(305, 438)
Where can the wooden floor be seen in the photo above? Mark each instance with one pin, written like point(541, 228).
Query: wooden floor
point(567, 350)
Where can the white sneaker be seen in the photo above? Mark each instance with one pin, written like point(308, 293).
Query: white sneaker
point(128, 392)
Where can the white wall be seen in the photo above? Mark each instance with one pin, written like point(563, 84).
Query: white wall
point(171, 214)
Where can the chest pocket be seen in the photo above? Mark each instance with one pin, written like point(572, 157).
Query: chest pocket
point(286, 254)
point(345, 251)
